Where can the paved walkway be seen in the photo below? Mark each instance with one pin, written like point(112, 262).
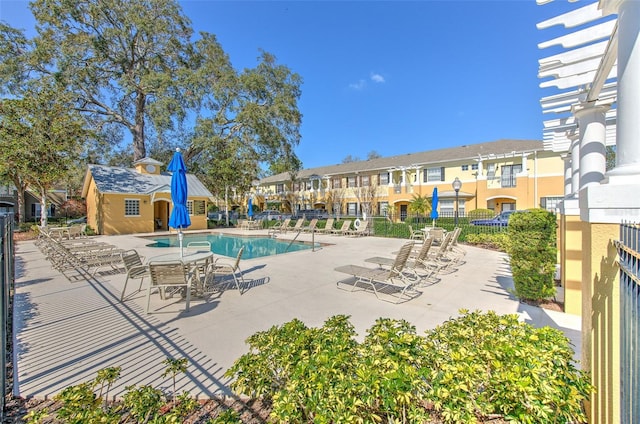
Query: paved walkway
point(67, 328)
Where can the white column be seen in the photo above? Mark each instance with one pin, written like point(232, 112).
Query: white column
point(574, 150)
point(591, 123)
point(628, 100)
point(566, 158)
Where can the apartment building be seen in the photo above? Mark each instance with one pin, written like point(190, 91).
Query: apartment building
point(499, 175)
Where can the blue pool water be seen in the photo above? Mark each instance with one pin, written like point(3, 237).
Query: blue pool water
point(229, 245)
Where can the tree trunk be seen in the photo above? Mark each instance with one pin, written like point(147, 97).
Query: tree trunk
point(139, 150)
point(20, 189)
point(43, 207)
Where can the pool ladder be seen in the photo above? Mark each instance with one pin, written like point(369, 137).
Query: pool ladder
point(313, 241)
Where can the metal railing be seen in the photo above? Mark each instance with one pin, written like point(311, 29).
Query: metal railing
point(7, 280)
point(628, 252)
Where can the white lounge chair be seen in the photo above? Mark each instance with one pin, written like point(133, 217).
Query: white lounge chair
point(393, 281)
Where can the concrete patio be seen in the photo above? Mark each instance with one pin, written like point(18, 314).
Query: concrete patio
point(67, 328)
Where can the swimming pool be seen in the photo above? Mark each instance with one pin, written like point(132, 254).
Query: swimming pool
point(229, 245)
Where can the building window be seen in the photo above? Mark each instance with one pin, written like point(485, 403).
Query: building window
point(474, 166)
point(366, 181)
point(337, 183)
point(383, 208)
point(383, 177)
point(433, 174)
point(447, 207)
point(279, 188)
point(131, 207)
point(508, 175)
point(351, 182)
point(337, 208)
point(199, 207)
point(465, 167)
point(190, 207)
point(550, 203)
point(491, 171)
point(352, 209)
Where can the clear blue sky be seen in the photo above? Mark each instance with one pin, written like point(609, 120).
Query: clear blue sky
point(391, 76)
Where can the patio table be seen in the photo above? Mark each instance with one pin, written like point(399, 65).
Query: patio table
point(194, 259)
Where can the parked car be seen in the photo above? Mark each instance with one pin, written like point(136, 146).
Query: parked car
point(271, 215)
point(309, 214)
point(500, 220)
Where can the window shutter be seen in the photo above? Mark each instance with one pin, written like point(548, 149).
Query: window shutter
point(442, 174)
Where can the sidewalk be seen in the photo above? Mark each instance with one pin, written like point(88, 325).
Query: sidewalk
point(64, 331)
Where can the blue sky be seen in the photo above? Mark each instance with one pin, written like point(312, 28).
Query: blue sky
point(391, 76)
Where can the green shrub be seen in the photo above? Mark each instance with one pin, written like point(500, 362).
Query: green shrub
point(481, 214)
point(482, 364)
point(469, 368)
point(532, 253)
point(496, 241)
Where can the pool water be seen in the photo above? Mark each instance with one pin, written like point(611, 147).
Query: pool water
point(229, 245)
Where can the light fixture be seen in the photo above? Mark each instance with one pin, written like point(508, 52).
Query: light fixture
point(457, 185)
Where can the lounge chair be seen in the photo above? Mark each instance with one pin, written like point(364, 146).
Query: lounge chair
point(415, 234)
point(134, 268)
point(418, 263)
point(393, 281)
point(362, 230)
point(169, 274)
point(346, 224)
point(281, 227)
point(311, 227)
point(437, 234)
point(328, 227)
point(224, 268)
point(298, 226)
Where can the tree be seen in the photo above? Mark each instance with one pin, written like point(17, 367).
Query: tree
point(420, 204)
point(134, 66)
point(41, 136)
point(373, 155)
point(349, 159)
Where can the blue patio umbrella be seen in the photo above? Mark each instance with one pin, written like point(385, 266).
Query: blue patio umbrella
point(250, 208)
point(434, 205)
point(179, 215)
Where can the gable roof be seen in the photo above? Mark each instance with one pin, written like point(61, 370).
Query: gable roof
point(120, 180)
point(440, 156)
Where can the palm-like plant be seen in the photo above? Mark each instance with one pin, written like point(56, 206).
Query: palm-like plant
point(420, 204)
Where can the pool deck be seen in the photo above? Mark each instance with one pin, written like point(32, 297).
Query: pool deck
point(67, 327)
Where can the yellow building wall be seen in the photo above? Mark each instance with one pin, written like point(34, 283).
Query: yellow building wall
point(571, 260)
point(601, 320)
point(115, 222)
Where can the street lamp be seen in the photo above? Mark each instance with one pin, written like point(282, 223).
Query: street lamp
point(457, 184)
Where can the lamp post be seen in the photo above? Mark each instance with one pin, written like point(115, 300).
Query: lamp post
point(457, 184)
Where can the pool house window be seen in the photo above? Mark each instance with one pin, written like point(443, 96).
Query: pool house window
point(131, 207)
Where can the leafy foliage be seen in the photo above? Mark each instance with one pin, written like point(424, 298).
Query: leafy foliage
point(496, 241)
point(469, 368)
point(80, 404)
point(420, 204)
point(482, 364)
point(532, 253)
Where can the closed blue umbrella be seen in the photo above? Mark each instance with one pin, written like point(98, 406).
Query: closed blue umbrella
point(250, 208)
point(179, 215)
point(434, 205)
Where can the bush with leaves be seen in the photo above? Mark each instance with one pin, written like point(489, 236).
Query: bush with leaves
point(481, 214)
point(532, 253)
point(88, 402)
point(496, 241)
point(470, 368)
point(485, 364)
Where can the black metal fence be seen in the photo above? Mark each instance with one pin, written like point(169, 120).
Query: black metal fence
point(7, 280)
point(629, 253)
